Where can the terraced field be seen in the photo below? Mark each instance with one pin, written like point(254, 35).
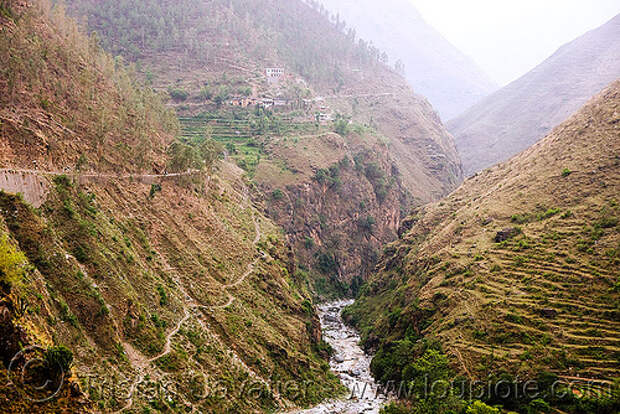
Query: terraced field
point(240, 130)
point(541, 303)
point(244, 139)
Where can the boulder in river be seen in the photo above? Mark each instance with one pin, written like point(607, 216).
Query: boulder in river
point(355, 373)
point(330, 318)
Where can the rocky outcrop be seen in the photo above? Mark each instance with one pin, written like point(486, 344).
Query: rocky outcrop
point(339, 223)
point(32, 186)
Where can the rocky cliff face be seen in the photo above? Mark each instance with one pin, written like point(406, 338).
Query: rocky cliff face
point(339, 218)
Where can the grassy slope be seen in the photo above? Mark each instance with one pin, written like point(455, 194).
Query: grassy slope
point(546, 299)
point(115, 269)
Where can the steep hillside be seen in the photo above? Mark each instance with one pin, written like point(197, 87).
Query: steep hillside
point(135, 289)
point(333, 109)
point(515, 274)
point(432, 65)
point(517, 116)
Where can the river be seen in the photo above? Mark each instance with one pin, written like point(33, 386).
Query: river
point(350, 363)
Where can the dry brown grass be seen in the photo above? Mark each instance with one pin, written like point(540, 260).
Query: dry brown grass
point(546, 299)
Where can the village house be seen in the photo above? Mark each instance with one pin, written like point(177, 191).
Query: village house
point(242, 102)
point(274, 75)
point(265, 103)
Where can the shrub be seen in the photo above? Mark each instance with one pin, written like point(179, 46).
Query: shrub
point(520, 218)
point(547, 214)
point(163, 296)
point(341, 126)
point(566, 172)
point(155, 188)
point(62, 181)
point(329, 176)
point(306, 307)
point(68, 207)
point(82, 162)
point(539, 406)
point(366, 223)
point(81, 254)
point(13, 263)
point(321, 176)
point(607, 222)
point(394, 408)
point(231, 148)
point(59, 359)
point(222, 96)
point(277, 195)
point(326, 263)
point(178, 94)
point(157, 321)
point(478, 407)
point(205, 93)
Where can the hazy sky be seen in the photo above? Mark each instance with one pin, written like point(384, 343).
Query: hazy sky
point(507, 38)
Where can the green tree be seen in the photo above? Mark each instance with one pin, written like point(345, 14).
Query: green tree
point(184, 157)
point(478, 407)
point(13, 263)
point(59, 359)
point(429, 379)
point(341, 126)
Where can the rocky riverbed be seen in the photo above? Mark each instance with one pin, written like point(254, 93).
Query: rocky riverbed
point(350, 363)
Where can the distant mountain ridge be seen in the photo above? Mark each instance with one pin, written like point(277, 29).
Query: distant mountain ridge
point(433, 66)
point(520, 114)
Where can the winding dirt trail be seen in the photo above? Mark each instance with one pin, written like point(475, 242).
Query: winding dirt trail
point(249, 271)
point(132, 391)
point(145, 365)
point(168, 346)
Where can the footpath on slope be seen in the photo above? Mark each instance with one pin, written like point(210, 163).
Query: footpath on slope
point(33, 184)
point(143, 365)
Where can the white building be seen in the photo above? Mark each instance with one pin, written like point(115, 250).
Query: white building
point(274, 74)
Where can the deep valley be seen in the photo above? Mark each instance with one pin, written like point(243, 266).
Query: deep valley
point(242, 206)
